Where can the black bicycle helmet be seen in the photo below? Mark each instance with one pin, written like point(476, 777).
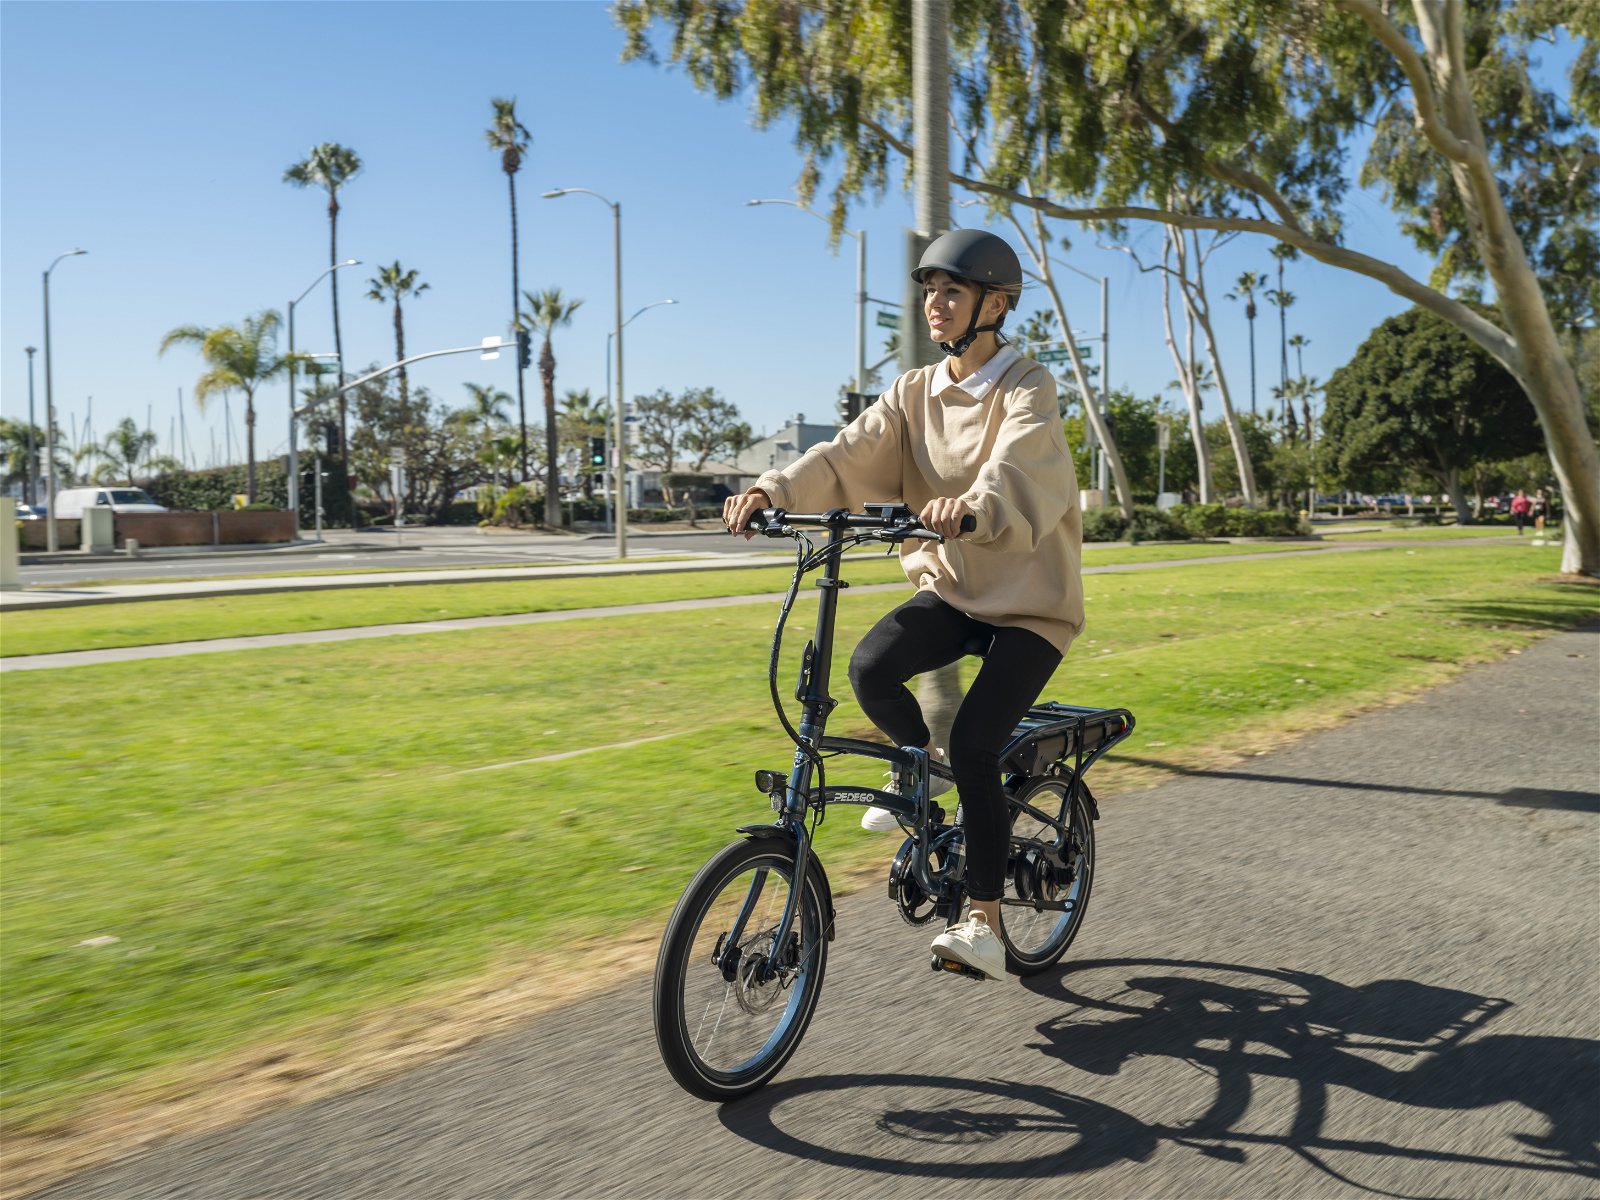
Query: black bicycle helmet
point(979, 257)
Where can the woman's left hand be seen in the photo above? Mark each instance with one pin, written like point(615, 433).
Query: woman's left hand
point(943, 515)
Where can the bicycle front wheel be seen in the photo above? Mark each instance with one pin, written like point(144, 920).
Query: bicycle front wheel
point(1047, 878)
point(730, 1008)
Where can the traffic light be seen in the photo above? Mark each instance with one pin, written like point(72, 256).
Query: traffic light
point(330, 438)
point(597, 452)
point(524, 349)
point(852, 405)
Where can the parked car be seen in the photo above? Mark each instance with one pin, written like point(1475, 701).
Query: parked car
point(72, 501)
point(30, 512)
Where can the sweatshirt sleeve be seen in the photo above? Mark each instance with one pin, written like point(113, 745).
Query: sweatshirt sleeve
point(1028, 483)
point(862, 463)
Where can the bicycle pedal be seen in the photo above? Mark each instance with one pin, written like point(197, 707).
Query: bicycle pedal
point(952, 967)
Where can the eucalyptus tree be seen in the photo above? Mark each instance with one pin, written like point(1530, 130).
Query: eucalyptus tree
point(546, 312)
point(394, 283)
point(1183, 263)
point(1262, 98)
point(511, 138)
point(242, 356)
point(330, 166)
point(1245, 286)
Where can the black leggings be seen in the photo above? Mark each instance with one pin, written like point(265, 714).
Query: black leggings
point(922, 635)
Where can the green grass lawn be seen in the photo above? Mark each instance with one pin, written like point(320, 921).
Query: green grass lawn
point(302, 834)
point(100, 626)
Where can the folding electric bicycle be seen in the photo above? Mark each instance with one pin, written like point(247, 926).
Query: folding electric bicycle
point(742, 961)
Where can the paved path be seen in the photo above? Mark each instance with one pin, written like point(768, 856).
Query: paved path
point(743, 558)
point(1363, 965)
point(84, 658)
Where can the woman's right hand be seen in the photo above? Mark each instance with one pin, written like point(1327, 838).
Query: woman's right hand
point(737, 511)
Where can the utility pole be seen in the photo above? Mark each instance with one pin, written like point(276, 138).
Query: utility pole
point(30, 479)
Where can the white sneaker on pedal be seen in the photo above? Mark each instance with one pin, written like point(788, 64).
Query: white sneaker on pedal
point(972, 943)
point(881, 820)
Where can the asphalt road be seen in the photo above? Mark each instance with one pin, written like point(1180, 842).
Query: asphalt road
point(1363, 965)
point(409, 550)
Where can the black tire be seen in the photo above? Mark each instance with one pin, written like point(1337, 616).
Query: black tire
point(1035, 938)
point(755, 1025)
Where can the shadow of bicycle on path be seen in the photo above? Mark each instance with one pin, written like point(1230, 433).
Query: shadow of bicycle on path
point(1409, 1044)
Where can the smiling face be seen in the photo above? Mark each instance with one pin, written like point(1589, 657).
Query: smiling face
point(947, 303)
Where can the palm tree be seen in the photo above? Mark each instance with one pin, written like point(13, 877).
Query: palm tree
point(509, 136)
point(548, 311)
point(395, 283)
point(124, 448)
point(330, 166)
point(1284, 252)
point(244, 357)
point(485, 408)
point(14, 441)
point(1246, 286)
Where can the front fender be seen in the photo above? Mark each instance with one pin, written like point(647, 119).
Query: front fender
point(813, 865)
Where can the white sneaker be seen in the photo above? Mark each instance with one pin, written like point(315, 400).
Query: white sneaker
point(881, 820)
point(972, 943)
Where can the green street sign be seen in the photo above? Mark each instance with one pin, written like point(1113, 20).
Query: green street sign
point(888, 320)
point(1059, 355)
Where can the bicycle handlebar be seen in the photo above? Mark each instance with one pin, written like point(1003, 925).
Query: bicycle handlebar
point(894, 520)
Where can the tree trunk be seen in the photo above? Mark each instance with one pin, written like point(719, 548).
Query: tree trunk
point(1199, 308)
point(338, 349)
point(522, 403)
point(938, 692)
point(1458, 496)
point(1539, 365)
point(249, 452)
point(1190, 388)
point(400, 350)
point(1091, 410)
point(552, 487)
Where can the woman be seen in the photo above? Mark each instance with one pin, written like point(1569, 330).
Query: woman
point(978, 435)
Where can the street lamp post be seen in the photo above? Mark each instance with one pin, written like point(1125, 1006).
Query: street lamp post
point(52, 542)
point(1105, 365)
point(622, 458)
point(294, 441)
point(860, 236)
point(622, 445)
point(33, 449)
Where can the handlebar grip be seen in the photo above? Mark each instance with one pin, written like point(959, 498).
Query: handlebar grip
point(969, 523)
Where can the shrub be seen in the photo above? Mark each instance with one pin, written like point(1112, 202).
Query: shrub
point(1104, 525)
point(656, 516)
point(1152, 524)
point(1202, 520)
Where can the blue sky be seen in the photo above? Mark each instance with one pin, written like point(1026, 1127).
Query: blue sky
point(155, 136)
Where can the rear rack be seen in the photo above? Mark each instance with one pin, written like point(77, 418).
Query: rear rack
point(1053, 732)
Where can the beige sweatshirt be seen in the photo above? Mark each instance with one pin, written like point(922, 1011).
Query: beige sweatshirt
point(1003, 452)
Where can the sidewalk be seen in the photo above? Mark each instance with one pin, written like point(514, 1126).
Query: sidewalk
point(84, 658)
point(67, 597)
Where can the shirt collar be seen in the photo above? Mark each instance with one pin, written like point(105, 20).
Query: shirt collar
point(978, 384)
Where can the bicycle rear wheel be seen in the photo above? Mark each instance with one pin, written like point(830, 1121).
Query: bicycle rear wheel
point(1047, 878)
point(728, 1012)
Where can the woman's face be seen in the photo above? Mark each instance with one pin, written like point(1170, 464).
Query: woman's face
point(947, 303)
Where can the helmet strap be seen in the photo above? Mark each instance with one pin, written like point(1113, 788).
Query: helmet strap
point(964, 342)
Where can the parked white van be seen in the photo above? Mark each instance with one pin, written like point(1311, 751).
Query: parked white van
point(71, 502)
